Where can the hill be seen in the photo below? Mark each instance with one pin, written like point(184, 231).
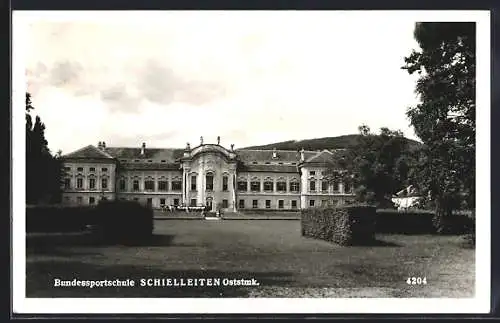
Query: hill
point(339, 142)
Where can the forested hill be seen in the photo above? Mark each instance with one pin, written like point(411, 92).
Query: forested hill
point(339, 142)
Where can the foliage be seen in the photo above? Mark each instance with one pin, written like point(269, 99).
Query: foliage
point(419, 222)
point(339, 142)
point(377, 166)
point(55, 218)
point(123, 221)
point(346, 225)
point(445, 118)
point(44, 172)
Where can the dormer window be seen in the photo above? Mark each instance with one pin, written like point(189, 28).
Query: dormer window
point(163, 161)
point(150, 161)
point(268, 163)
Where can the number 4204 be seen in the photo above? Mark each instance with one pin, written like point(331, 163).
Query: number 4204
point(416, 281)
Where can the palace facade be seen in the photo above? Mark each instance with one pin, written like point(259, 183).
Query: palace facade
point(209, 175)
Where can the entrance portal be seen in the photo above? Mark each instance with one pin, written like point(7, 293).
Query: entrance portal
point(209, 204)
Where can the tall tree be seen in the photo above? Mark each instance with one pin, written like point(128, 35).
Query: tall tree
point(43, 171)
point(377, 166)
point(445, 118)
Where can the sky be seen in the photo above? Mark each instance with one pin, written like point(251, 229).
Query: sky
point(167, 78)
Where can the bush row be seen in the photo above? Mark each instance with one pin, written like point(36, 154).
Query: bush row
point(344, 225)
point(114, 220)
point(420, 222)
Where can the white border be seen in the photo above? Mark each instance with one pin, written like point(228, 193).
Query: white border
point(479, 304)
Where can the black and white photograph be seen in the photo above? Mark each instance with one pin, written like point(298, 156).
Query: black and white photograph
point(251, 161)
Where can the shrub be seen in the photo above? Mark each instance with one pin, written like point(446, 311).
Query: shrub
point(124, 221)
point(420, 222)
point(344, 225)
point(57, 218)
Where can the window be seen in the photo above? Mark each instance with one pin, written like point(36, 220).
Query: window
point(176, 202)
point(224, 183)
point(162, 185)
point(347, 188)
point(323, 173)
point(67, 183)
point(294, 186)
point(136, 185)
point(104, 169)
point(268, 204)
point(281, 186)
point(149, 184)
point(92, 183)
point(210, 182)
point(312, 186)
point(268, 163)
point(335, 186)
point(324, 185)
point(162, 201)
point(80, 169)
point(79, 200)
point(92, 169)
point(312, 173)
point(241, 204)
point(225, 204)
point(193, 202)
point(176, 185)
point(255, 163)
point(104, 183)
point(163, 161)
point(311, 202)
point(294, 204)
point(79, 183)
point(149, 202)
point(281, 204)
point(242, 186)
point(193, 183)
point(268, 185)
point(122, 184)
point(255, 186)
point(150, 161)
point(67, 168)
point(324, 202)
point(255, 204)
point(91, 200)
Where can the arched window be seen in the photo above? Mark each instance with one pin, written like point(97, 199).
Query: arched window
point(162, 184)
point(268, 184)
point(209, 182)
point(79, 182)
point(281, 184)
point(149, 184)
point(91, 182)
point(176, 184)
point(242, 184)
point(255, 185)
point(135, 184)
point(294, 185)
point(225, 181)
point(104, 183)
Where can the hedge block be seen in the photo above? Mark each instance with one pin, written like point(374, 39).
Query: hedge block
point(344, 225)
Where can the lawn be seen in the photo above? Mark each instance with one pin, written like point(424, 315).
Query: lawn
point(271, 251)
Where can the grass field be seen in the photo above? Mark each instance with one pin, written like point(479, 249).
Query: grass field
point(273, 252)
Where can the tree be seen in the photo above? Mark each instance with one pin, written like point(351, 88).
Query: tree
point(43, 171)
point(377, 166)
point(445, 118)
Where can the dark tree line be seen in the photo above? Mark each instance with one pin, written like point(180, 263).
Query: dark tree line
point(44, 172)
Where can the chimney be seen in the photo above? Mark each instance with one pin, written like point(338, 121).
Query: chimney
point(143, 149)
point(302, 158)
point(275, 154)
point(99, 145)
point(103, 145)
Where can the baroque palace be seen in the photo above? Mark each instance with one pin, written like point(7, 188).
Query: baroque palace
point(207, 175)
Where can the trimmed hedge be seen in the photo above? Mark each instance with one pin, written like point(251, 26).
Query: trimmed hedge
point(118, 221)
point(123, 221)
point(420, 222)
point(344, 225)
point(55, 218)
